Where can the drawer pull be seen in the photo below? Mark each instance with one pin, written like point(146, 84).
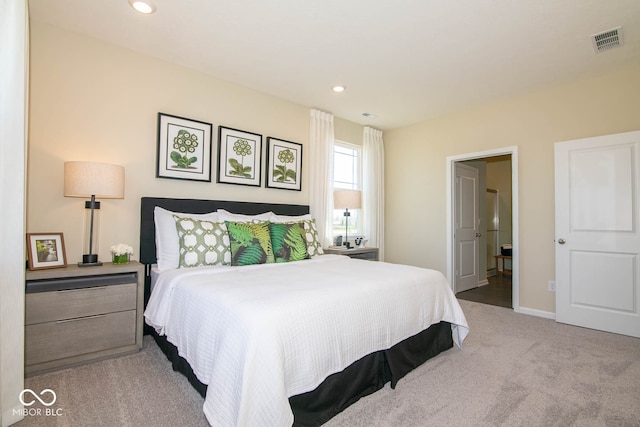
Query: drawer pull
point(80, 318)
point(81, 289)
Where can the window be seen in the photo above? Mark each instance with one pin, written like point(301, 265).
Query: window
point(347, 175)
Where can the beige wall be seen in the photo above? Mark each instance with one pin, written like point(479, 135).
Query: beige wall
point(95, 101)
point(416, 165)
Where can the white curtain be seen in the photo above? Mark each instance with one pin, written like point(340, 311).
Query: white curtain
point(321, 139)
point(373, 188)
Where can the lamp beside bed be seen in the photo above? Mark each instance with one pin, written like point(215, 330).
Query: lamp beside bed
point(347, 199)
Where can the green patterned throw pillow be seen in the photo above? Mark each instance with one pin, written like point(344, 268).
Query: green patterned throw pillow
point(288, 242)
point(311, 236)
point(202, 242)
point(250, 243)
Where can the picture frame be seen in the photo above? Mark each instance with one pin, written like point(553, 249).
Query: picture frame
point(184, 148)
point(46, 250)
point(239, 157)
point(284, 164)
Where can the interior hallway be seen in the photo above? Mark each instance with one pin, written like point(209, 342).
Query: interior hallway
point(497, 292)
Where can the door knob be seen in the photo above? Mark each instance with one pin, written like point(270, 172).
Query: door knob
point(562, 241)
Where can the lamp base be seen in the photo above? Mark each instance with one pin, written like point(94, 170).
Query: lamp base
point(90, 260)
point(90, 264)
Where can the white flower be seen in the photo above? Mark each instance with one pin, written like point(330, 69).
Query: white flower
point(121, 249)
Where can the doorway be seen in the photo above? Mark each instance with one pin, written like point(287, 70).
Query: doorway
point(496, 288)
point(493, 286)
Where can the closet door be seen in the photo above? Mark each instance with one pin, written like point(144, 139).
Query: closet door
point(598, 233)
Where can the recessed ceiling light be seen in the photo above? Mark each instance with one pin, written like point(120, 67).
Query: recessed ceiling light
point(142, 6)
point(339, 88)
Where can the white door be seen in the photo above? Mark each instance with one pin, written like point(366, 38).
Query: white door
point(466, 232)
point(598, 233)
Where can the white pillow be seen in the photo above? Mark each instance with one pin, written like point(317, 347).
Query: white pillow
point(232, 217)
point(280, 219)
point(167, 243)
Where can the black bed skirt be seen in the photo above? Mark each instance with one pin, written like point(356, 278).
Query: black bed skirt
point(344, 388)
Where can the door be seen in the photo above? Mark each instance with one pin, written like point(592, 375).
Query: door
point(466, 233)
point(598, 233)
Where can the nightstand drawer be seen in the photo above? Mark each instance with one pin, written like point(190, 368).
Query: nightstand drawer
point(371, 256)
point(66, 338)
point(73, 303)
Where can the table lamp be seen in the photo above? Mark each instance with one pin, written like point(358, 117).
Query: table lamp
point(347, 199)
point(90, 179)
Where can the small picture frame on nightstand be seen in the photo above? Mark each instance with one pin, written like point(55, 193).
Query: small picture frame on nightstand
point(46, 250)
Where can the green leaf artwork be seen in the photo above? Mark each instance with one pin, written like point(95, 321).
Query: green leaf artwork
point(281, 173)
point(242, 149)
point(185, 143)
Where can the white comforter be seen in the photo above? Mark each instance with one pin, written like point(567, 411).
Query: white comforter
point(259, 334)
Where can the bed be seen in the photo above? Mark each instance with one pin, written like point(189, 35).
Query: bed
point(291, 343)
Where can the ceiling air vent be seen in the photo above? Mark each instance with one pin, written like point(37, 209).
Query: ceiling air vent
point(607, 39)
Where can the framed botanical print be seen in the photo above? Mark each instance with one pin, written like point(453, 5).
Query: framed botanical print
point(284, 164)
point(239, 157)
point(184, 148)
point(46, 250)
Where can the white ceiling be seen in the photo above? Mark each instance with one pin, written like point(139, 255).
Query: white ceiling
point(403, 61)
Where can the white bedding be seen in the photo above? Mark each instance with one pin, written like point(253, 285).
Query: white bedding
point(259, 334)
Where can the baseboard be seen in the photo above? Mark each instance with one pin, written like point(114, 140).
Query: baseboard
point(483, 282)
point(537, 313)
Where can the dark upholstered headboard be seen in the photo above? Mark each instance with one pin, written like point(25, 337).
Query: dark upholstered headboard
point(147, 224)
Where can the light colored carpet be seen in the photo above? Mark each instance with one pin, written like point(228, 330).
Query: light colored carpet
point(514, 370)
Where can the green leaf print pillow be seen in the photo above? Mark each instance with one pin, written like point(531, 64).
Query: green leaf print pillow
point(288, 242)
point(250, 243)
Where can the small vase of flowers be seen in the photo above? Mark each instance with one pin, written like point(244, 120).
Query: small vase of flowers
point(121, 253)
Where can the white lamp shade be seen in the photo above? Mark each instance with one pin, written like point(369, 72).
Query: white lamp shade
point(86, 179)
point(347, 199)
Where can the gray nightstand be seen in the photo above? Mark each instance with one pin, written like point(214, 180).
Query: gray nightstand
point(370, 254)
point(75, 315)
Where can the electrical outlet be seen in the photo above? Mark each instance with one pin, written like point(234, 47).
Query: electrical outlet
point(551, 286)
